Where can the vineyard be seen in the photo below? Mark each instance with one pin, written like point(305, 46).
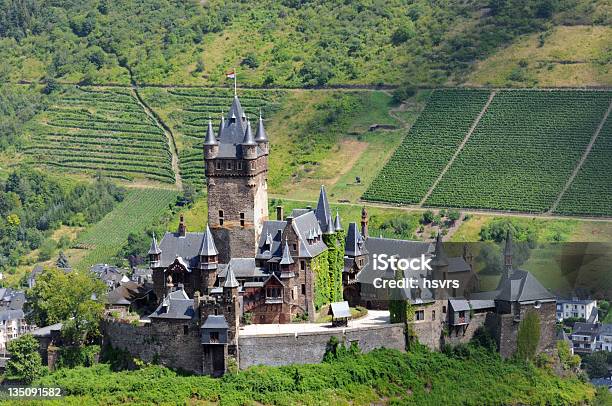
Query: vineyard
point(101, 130)
point(518, 158)
point(186, 111)
point(427, 148)
point(139, 209)
point(591, 191)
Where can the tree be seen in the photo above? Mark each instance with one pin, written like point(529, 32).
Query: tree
point(528, 336)
point(596, 364)
point(428, 217)
point(66, 297)
point(454, 215)
point(25, 361)
point(62, 261)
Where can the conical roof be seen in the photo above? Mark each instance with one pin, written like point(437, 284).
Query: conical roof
point(440, 258)
point(221, 124)
point(208, 247)
point(323, 212)
point(337, 222)
point(248, 136)
point(261, 135)
point(210, 135)
point(286, 259)
point(230, 278)
point(508, 247)
point(154, 250)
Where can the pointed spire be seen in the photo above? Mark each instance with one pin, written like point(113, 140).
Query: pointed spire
point(154, 250)
point(364, 222)
point(440, 259)
point(330, 225)
point(210, 135)
point(230, 278)
point(208, 247)
point(269, 240)
point(323, 212)
point(261, 135)
point(337, 222)
point(286, 259)
point(236, 110)
point(248, 136)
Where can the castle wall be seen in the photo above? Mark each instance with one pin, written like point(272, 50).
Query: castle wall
point(429, 330)
point(506, 328)
point(308, 348)
point(463, 334)
point(163, 342)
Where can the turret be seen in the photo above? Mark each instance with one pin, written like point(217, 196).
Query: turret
point(439, 265)
point(211, 145)
point(208, 251)
point(249, 146)
point(154, 253)
point(338, 222)
point(323, 213)
point(286, 262)
point(261, 138)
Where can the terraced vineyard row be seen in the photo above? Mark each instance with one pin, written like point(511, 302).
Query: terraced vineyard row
point(429, 145)
point(523, 151)
point(519, 157)
point(591, 191)
point(101, 130)
point(187, 112)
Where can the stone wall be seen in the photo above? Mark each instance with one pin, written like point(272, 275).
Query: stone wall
point(429, 330)
point(165, 342)
point(307, 348)
point(463, 334)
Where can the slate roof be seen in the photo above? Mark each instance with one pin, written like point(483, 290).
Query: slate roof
point(232, 132)
point(440, 259)
point(605, 329)
point(176, 305)
point(302, 226)
point(391, 247)
point(126, 293)
point(270, 233)
point(154, 249)
point(187, 248)
point(323, 212)
point(215, 322)
point(261, 135)
point(286, 259)
point(12, 299)
point(6, 315)
point(461, 304)
point(208, 247)
point(243, 268)
point(230, 279)
point(585, 329)
point(457, 264)
point(210, 135)
point(338, 222)
point(46, 331)
point(522, 286)
point(354, 243)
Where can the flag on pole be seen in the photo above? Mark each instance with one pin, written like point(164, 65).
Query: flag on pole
point(231, 75)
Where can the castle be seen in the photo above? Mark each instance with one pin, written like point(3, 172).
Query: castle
point(246, 268)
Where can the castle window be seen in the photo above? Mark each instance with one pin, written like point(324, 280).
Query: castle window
point(229, 309)
point(444, 309)
point(216, 312)
point(433, 314)
point(302, 265)
point(252, 164)
point(185, 329)
point(294, 247)
point(221, 217)
point(214, 336)
point(218, 165)
point(419, 315)
point(241, 219)
point(228, 165)
point(303, 288)
point(239, 165)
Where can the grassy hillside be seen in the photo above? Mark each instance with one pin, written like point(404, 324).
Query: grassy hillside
point(561, 56)
point(382, 376)
point(288, 43)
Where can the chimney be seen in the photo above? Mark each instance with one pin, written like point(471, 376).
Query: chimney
point(289, 220)
point(279, 213)
point(182, 229)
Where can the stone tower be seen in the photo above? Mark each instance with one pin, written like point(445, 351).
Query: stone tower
point(236, 174)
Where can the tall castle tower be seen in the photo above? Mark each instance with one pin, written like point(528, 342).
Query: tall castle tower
point(236, 176)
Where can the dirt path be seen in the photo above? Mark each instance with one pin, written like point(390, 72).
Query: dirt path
point(167, 132)
point(460, 148)
point(586, 153)
point(413, 208)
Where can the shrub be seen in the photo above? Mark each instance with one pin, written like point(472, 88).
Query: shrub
point(528, 336)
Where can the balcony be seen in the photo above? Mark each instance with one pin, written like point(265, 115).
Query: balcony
point(274, 300)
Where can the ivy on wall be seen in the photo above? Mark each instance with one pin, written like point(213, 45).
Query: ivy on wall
point(328, 267)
